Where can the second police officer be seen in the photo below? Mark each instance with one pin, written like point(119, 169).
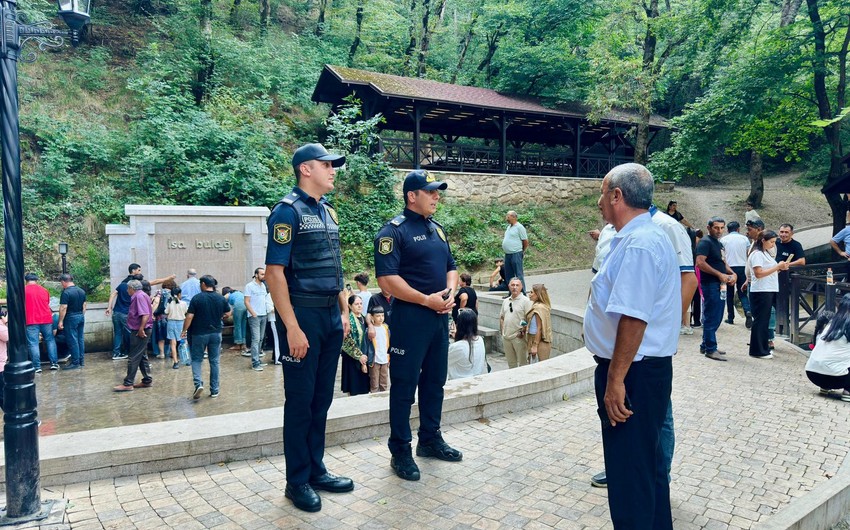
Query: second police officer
point(414, 263)
point(304, 275)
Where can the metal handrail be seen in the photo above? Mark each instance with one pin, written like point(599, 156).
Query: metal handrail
point(810, 293)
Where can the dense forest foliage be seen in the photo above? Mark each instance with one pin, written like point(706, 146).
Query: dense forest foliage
point(201, 102)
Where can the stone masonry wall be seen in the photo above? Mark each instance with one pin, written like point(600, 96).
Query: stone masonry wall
point(512, 189)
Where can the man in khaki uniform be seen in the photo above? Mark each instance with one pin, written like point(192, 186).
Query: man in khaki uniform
point(512, 324)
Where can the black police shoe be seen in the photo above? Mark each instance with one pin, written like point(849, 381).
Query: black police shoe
point(403, 464)
point(438, 448)
point(332, 483)
point(303, 497)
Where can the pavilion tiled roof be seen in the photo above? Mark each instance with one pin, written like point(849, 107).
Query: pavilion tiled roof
point(439, 92)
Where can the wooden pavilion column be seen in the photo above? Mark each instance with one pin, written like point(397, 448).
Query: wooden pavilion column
point(502, 124)
point(578, 129)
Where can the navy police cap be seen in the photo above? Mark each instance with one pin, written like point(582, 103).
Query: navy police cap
point(308, 152)
point(422, 180)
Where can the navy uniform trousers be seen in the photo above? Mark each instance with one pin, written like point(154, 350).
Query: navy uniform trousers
point(308, 386)
point(635, 465)
point(419, 346)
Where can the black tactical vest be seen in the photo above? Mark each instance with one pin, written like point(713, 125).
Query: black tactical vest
point(316, 261)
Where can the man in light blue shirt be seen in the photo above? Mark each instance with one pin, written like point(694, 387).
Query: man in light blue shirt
point(514, 244)
point(631, 325)
point(842, 236)
point(191, 286)
point(255, 303)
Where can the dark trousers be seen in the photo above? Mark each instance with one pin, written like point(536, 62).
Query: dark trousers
point(419, 350)
point(830, 382)
point(742, 295)
point(308, 386)
point(638, 492)
point(712, 315)
point(761, 304)
point(513, 268)
point(74, 325)
point(137, 353)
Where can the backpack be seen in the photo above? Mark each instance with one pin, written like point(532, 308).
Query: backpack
point(164, 298)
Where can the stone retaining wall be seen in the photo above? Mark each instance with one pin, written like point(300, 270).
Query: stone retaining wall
point(566, 326)
point(512, 189)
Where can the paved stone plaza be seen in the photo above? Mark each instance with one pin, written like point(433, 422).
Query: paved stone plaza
point(752, 435)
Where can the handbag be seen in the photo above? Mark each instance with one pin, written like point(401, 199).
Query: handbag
point(350, 348)
point(183, 353)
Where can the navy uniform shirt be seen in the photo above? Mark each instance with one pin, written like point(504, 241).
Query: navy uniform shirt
point(283, 231)
point(415, 248)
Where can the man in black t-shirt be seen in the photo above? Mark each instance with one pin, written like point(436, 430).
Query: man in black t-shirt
point(786, 247)
point(714, 271)
point(203, 328)
point(72, 309)
point(385, 300)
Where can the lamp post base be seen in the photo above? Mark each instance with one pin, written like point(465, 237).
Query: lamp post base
point(48, 508)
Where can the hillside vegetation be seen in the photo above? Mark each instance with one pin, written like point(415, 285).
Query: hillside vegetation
point(202, 103)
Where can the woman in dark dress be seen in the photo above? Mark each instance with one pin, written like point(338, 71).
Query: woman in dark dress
point(672, 211)
point(355, 376)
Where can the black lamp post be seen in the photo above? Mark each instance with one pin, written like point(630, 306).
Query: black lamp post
point(23, 484)
point(63, 251)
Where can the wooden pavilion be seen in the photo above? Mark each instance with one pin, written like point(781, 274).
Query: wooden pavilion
point(472, 129)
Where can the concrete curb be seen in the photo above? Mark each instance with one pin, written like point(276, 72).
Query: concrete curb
point(152, 448)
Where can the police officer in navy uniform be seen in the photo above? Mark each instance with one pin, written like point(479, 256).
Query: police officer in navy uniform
point(414, 263)
point(304, 276)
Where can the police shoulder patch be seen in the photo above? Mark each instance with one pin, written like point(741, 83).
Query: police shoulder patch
point(385, 245)
point(440, 233)
point(332, 213)
point(282, 233)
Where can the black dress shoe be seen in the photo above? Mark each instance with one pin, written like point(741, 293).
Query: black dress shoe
point(403, 464)
point(332, 483)
point(303, 497)
point(730, 321)
point(438, 448)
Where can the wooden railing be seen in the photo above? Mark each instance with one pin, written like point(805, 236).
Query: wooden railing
point(809, 294)
point(443, 156)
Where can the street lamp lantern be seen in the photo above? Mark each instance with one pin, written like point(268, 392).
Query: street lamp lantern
point(63, 251)
point(75, 13)
point(20, 426)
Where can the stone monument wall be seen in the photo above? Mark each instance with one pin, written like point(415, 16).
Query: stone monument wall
point(228, 242)
point(513, 189)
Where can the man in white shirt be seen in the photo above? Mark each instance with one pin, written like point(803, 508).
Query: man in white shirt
point(255, 303)
point(362, 281)
point(631, 325)
point(513, 325)
point(736, 245)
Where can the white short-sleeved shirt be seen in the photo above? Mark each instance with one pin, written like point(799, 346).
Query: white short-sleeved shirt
point(257, 292)
point(678, 238)
point(603, 245)
point(736, 245)
point(514, 236)
point(769, 283)
point(459, 365)
point(829, 358)
point(639, 278)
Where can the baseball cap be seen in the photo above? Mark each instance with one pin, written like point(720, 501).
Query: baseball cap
point(422, 180)
point(758, 223)
point(308, 152)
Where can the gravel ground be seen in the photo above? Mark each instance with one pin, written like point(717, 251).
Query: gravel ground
point(784, 202)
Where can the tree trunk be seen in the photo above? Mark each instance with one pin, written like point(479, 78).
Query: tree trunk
point(411, 44)
point(427, 31)
point(324, 5)
point(492, 46)
point(265, 11)
point(205, 60)
point(234, 12)
point(464, 47)
point(756, 181)
point(650, 41)
point(831, 132)
point(359, 25)
point(789, 12)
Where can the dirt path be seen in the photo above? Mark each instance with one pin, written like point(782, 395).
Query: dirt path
point(784, 202)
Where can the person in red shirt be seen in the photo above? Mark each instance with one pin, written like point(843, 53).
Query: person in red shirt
point(39, 321)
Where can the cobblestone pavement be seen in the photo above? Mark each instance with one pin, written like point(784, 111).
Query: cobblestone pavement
point(751, 436)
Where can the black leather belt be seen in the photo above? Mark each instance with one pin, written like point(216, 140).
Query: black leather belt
point(309, 300)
